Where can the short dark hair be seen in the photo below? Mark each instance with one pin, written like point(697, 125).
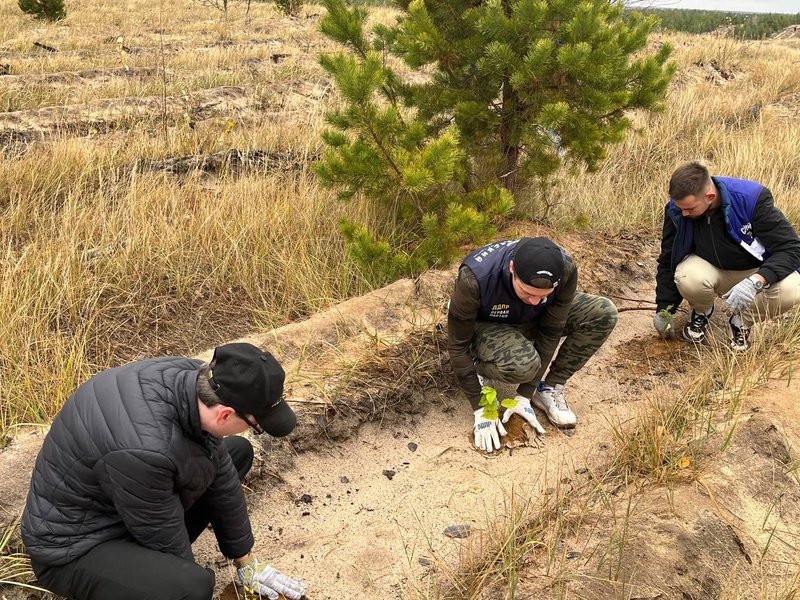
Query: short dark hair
point(690, 179)
point(204, 390)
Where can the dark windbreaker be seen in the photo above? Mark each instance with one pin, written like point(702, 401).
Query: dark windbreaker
point(126, 457)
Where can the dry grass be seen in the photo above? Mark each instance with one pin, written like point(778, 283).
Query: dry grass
point(103, 260)
point(396, 376)
point(15, 566)
point(526, 527)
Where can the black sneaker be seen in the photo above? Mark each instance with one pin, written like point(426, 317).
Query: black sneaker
point(739, 335)
point(695, 329)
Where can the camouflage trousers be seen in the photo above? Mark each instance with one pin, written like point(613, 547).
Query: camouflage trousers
point(507, 353)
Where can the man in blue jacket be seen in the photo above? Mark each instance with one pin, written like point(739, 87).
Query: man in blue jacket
point(137, 464)
point(724, 236)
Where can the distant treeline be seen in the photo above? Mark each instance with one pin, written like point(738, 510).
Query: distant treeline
point(746, 26)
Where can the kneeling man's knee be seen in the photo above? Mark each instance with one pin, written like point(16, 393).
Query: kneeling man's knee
point(523, 369)
point(608, 314)
point(195, 582)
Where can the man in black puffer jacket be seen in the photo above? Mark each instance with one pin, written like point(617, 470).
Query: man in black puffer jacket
point(136, 465)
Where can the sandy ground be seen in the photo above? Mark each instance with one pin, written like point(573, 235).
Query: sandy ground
point(364, 531)
point(361, 511)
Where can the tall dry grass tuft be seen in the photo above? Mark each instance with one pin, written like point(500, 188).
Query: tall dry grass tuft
point(15, 566)
point(673, 433)
point(527, 527)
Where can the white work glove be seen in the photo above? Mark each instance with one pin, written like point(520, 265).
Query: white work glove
point(663, 323)
point(524, 410)
point(486, 432)
point(268, 582)
point(741, 295)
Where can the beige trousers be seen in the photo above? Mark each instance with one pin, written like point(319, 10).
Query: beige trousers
point(700, 282)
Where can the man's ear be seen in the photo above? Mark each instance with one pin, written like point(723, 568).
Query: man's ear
point(511, 266)
point(223, 413)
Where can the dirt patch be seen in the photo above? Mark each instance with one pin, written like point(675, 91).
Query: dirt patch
point(793, 31)
point(789, 106)
point(16, 466)
point(104, 115)
point(88, 77)
point(646, 359)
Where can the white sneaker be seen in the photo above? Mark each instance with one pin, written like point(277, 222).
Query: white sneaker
point(553, 401)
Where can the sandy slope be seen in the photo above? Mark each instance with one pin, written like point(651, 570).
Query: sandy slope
point(358, 510)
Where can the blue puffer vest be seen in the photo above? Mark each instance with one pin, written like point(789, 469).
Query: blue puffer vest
point(738, 201)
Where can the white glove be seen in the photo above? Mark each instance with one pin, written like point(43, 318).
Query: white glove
point(663, 324)
point(524, 410)
point(269, 582)
point(486, 432)
point(741, 295)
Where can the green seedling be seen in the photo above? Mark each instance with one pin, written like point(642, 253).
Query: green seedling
point(665, 314)
point(489, 403)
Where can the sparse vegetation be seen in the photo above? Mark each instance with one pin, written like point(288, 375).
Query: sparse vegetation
point(107, 257)
point(15, 566)
point(491, 560)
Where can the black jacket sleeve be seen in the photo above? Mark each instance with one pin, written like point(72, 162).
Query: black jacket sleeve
point(229, 520)
point(667, 294)
point(777, 235)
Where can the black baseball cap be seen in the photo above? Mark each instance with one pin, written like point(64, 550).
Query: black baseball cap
point(536, 258)
point(250, 381)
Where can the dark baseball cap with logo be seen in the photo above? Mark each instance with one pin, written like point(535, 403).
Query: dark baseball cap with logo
point(538, 258)
point(250, 381)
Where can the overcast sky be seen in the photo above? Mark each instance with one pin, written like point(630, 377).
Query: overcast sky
point(774, 6)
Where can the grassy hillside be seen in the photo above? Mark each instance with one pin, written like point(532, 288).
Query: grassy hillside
point(156, 192)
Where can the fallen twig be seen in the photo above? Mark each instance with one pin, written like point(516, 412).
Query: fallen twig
point(630, 299)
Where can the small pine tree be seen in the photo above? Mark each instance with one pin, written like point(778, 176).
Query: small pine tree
point(419, 176)
point(52, 10)
point(506, 91)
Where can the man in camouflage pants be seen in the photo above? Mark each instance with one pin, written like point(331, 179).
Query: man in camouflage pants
point(512, 303)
